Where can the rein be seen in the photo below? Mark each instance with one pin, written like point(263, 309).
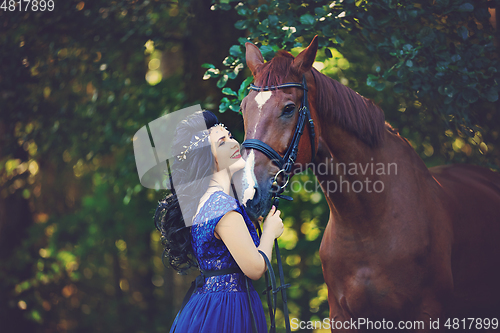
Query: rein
point(285, 164)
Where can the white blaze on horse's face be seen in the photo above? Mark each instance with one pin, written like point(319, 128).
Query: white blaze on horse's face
point(261, 98)
point(249, 181)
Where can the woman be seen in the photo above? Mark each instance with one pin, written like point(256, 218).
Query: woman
point(222, 241)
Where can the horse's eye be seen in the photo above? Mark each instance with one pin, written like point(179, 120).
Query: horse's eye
point(288, 109)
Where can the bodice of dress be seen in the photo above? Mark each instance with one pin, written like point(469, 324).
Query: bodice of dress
point(212, 253)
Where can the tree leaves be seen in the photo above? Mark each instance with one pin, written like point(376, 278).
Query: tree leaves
point(375, 82)
point(241, 25)
point(440, 57)
point(235, 51)
point(466, 7)
point(307, 20)
point(471, 95)
point(463, 33)
point(492, 94)
point(222, 81)
point(229, 91)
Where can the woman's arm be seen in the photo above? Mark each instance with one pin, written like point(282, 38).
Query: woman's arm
point(233, 231)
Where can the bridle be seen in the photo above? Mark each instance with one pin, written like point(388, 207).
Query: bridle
point(285, 164)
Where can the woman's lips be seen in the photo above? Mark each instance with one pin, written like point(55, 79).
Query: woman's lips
point(236, 154)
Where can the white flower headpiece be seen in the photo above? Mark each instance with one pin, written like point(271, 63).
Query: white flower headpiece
point(192, 144)
point(204, 136)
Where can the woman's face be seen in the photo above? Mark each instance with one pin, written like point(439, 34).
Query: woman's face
point(225, 148)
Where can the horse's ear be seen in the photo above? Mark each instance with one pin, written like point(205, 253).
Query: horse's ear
point(305, 59)
point(254, 58)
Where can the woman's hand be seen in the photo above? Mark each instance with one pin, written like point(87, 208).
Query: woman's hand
point(259, 221)
point(273, 223)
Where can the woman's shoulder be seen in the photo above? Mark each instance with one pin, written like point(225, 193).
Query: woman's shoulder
point(216, 206)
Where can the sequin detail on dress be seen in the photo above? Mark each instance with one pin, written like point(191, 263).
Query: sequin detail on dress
point(212, 253)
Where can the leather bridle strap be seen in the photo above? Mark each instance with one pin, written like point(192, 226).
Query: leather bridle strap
point(281, 86)
point(266, 149)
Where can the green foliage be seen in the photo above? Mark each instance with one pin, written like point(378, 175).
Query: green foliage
point(79, 252)
point(441, 57)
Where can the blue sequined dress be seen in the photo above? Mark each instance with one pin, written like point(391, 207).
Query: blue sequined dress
point(221, 305)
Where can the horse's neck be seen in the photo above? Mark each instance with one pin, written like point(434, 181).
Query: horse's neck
point(362, 184)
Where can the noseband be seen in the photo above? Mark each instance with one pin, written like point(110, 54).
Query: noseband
point(286, 162)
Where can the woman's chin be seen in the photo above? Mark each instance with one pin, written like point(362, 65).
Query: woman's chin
point(237, 165)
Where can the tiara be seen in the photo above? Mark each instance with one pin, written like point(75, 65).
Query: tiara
point(182, 156)
point(202, 138)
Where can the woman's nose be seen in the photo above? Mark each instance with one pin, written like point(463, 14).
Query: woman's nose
point(235, 143)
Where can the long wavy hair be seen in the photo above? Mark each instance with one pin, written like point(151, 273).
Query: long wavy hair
point(192, 176)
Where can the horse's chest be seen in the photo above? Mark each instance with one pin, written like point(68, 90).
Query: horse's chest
point(365, 289)
point(371, 293)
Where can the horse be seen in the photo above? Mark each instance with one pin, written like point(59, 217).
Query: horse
point(403, 243)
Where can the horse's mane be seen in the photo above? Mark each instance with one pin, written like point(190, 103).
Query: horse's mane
point(335, 102)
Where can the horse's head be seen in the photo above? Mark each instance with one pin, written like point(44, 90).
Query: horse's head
point(271, 117)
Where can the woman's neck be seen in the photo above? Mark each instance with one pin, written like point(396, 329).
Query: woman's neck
point(221, 181)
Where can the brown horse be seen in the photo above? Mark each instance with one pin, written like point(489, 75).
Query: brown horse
point(403, 242)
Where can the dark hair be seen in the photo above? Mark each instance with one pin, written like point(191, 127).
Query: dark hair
point(191, 177)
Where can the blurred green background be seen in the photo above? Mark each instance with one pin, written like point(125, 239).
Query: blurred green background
point(78, 247)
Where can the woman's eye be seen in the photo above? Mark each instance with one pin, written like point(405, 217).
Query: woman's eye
point(224, 139)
